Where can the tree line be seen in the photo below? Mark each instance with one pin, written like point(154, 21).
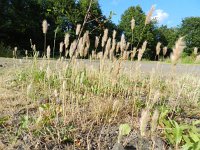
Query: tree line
point(21, 21)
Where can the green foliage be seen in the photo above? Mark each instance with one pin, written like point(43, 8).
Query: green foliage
point(124, 129)
point(140, 32)
point(181, 135)
point(5, 51)
point(190, 28)
point(167, 36)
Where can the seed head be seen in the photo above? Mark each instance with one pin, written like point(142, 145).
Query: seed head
point(164, 51)
point(44, 26)
point(15, 49)
point(149, 15)
point(108, 46)
point(118, 46)
point(177, 50)
point(104, 38)
point(145, 117)
point(48, 52)
point(66, 41)
point(96, 41)
point(78, 28)
point(61, 47)
point(114, 34)
point(195, 51)
point(113, 45)
point(132, 23)
point(122, 43)
point(158, 48)
point(154, 121)
point(72, 48)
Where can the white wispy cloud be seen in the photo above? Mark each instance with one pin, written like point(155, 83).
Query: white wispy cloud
point(160, 15)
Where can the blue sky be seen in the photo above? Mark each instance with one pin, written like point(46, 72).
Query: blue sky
point(168, 12)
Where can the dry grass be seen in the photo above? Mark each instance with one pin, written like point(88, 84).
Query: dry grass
point(78, 106)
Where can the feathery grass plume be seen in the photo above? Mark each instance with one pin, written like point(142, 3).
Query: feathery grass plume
point(78, 29)
point(66, 53)
point(149, 15)
point(132, 24)
point(144, 120)
point(195, 51)
point(113, 45)
point(177, 50)
point(44, 26)
point(87, 39)
point(158, 48)
point(127, 46)
point(15, 49)
point(123, 43)
point(61, 48)
point(48, 52)
point(54, 40)
point(104, 38)
point(144, 46)
point(31, 43)
point(118, 46)
point(37, 53)
point(114, 34)
point(140, 54)
point(26, 53)
point(72, 48)
point(96, 42)
point(111, 55)
point(34, 48)
point(107, 49)
point(44, 29)
point(133, 52)
point(15, 52)
point(154, 121)
point(66, 40)
point(81, 47)
point(164, 50)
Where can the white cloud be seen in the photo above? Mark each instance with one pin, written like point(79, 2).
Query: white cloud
point(160, 15)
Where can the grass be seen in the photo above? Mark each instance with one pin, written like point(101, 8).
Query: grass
point(55, 104)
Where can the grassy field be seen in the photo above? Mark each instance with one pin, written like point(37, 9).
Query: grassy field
point(60, 105)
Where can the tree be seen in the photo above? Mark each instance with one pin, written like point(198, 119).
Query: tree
point(190, 28)
point(167, 36)
point(140, 32)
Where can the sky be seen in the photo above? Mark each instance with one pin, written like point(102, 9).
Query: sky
point(167, 12)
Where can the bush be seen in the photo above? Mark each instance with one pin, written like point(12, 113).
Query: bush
point(5, 51)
